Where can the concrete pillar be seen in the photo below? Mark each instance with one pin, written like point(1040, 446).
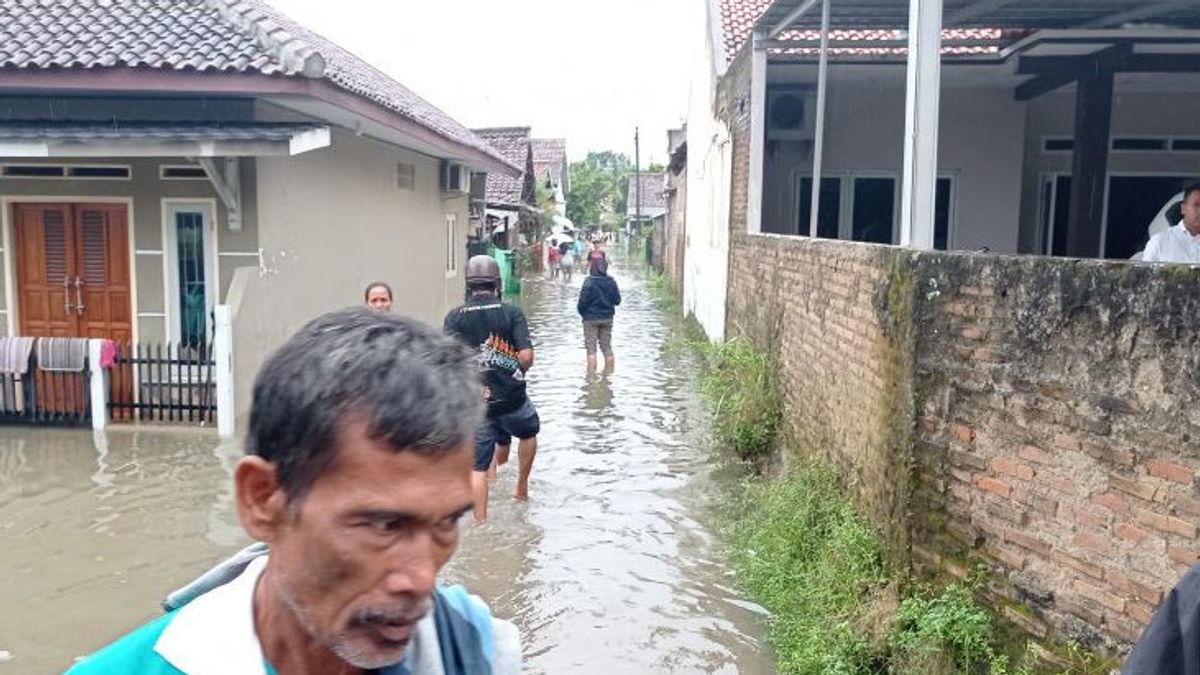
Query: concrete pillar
point(921, 118)
point(98, 383)
point(1089, 172)
point(223, 355)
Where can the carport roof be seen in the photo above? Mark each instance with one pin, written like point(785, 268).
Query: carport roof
point(1018, 14)
point(153, 139)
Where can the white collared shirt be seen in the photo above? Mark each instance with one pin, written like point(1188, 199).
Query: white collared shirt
point(1173, 245)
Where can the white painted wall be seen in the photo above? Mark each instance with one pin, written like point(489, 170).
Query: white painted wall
point(332, 221)
point(710, 159)
point(981, 145)
point(1135, 112)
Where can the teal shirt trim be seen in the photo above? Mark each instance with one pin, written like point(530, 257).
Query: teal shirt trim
point(133, 653)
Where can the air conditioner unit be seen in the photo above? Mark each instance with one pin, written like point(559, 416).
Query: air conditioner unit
point(456, 178)
point(791, 114)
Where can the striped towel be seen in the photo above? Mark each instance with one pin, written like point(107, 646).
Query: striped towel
point(67, 355)
point(14, 355)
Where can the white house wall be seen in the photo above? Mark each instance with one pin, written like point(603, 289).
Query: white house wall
point(710, 155)
point(981, 145)
point(1134, 114)
point(332, 221)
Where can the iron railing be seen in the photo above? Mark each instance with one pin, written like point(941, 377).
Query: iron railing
point(169, 382)
point(45, 398)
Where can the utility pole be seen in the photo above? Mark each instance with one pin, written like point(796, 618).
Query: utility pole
point(637, 183)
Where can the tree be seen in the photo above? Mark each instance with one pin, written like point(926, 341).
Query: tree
point(598, 185)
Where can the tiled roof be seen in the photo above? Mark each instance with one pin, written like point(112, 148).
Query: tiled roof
point(213, 36)
point(549, 157)
point(654, 194)
point(738, 18)
point(512, 143)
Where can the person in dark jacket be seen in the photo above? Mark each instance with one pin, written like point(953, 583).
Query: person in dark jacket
point(1170, 645)
point(597, 305)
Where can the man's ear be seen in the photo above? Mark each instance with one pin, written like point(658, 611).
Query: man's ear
point(262, 504)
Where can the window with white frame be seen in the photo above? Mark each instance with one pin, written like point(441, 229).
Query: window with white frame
point(451, 245)
point(189, 237)
point(866, 207)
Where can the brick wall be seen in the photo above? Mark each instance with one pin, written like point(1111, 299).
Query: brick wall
point(1032, 414)
point(1057, 436)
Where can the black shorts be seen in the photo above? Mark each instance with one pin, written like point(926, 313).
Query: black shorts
point(522, 423)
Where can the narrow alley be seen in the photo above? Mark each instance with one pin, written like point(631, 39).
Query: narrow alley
point(612, 567)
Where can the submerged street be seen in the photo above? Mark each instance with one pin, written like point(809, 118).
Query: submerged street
point(613, 566)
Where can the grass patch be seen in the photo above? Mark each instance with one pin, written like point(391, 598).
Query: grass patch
point(738, 383)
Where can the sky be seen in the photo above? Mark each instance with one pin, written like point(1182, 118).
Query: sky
point(586, 71)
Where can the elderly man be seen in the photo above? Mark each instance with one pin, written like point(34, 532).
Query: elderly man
point(357, 471)
point(1181, 243)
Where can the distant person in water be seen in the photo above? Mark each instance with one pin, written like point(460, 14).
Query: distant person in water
point(378, 297)
point(597, 252)
point(567, 261)
point(597, 305)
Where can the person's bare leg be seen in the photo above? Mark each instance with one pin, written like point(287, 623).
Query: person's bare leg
point(479, 494)
point(502, 455)
point(591, 363)
point(526, 450)
point(609, 362)
point(491, 472)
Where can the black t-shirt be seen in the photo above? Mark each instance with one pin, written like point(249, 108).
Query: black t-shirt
point(498, 330)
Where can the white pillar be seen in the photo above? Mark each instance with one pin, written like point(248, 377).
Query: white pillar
point(758, 118)
point(223, 355)
point(919, 191)
point(819, 141)
point(98, 381)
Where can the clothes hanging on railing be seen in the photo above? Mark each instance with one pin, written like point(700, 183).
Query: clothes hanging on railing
point(14, 355)
point(64, 355)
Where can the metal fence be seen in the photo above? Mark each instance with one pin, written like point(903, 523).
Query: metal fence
point(169, 382)
point(45, 398)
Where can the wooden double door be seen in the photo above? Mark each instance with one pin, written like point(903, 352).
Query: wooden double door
point(72, 270)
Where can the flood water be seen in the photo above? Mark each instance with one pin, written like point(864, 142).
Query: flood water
point(612, 567)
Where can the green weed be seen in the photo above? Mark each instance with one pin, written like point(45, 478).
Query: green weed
point(738, 383)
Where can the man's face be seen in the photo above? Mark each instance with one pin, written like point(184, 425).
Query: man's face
point(1191, 212)
point(358, 560)
point(379, 299)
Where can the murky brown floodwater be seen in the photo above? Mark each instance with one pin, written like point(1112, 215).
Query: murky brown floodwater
point(611, 568)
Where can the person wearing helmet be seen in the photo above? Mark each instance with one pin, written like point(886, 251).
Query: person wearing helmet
point(500, 333)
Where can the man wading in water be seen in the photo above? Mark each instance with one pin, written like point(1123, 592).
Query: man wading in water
point(501, 334)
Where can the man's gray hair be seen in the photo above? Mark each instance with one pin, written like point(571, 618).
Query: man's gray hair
point(414, 388)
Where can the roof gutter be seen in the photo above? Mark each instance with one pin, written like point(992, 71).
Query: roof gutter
point(132, 80)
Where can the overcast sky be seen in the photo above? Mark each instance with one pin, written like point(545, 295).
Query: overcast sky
point(586, 71)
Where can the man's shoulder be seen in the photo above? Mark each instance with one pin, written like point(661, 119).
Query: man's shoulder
point(133, 653)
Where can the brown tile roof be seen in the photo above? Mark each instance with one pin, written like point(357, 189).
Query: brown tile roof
point(654, 195)
point(212, 36)
point(549, 158)
point(739, 16)
point(513, 144)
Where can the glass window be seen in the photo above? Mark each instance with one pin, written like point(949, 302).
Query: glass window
point(941, 213)
point(193, 303)
point(874, 210)
point(831, 207)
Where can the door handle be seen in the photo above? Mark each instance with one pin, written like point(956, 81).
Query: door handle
point(67, 306)
point(79, 306)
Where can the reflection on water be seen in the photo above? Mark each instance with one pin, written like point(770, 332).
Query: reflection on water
point(96, 527)
point(611, 568)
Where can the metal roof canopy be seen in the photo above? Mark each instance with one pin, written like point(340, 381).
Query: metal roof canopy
point(158, 139)
point(1017, 14)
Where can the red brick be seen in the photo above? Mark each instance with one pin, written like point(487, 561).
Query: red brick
point(992, 485)
point(1099, 595)
point(962, 432)
point(1172, 472)
point(1027, 541)
point(1108, 452)
point(1068, 442)
point(1186, 505)
point(1113, 502)
point(1131, 532)
point(1139, 612)
point(1008, 466)
point(1091, 569)
point(1092, 542)
point(1085, 514)
point(1168, 524)
point(1134, 588)
point(972, 333)
point(1043, 505)
point(1182, 556)
point(1032, 453)
point(1029, 624)
point(1139, 489)
point(1086, 613)
point(966, 460)
point(1012, 557)
point(1058, 482)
